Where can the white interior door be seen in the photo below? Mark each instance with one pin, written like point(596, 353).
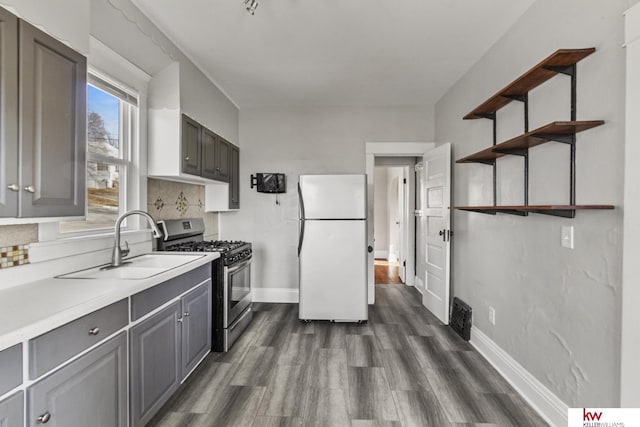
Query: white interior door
point(436, 237)
point(402, 231)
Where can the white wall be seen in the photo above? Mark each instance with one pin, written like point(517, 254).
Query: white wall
point(630, 369)
point(142, 43)
point(557, 310)
point(66, 20)
point(381, 220)
point(298, 141)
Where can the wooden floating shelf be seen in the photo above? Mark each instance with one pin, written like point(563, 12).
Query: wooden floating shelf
point(556, 131)
point(556, 210)
point(540, 73)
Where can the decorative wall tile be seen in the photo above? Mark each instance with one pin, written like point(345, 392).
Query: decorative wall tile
point(159, 204)
point(11, 235)
point(176, 200)
point(13, 256)
point(182, 204)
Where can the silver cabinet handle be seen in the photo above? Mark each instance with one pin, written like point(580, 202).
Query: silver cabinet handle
point(30, 189)
point(14, 187)
point(180, 320)
point(44, 418)
point(186, 314)
point(94, 331)
point(186, 158)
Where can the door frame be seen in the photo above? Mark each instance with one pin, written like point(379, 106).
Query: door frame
point(387, 149)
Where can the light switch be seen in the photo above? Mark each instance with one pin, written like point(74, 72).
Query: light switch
point(567, 237)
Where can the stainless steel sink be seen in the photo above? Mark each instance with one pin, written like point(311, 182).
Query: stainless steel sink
point(136, 268)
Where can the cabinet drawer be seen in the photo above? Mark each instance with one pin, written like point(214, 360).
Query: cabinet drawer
point(148, 300)
point(51, 349)
point(10, 368)
point(12, 411)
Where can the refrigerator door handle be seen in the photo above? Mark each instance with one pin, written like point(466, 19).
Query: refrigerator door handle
point(301, 204)
point(301, 238)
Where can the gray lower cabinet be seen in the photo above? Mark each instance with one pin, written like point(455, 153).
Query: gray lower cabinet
point(155, 362)
point(165, 348)
point(10, 369)
point(91, 391)
point(196, 327)
point(53, 115)
point(12, 411)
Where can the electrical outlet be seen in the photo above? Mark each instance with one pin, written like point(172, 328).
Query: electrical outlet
point(492, 315)
point(567, 237)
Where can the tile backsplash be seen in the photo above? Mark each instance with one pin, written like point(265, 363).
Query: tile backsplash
point(13, 256)
point(176, 200)
point(14, 244)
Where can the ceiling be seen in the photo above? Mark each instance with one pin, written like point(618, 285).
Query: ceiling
point(335, 52)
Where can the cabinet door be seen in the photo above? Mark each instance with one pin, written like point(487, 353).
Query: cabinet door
point(234, 177)
point(209, 155)
point(9, 184)
point(155, 363)
point(53, 116)
point(91, 391)
point(12, 411)
point(222, 168)
point(191, 143)
point(196, 327)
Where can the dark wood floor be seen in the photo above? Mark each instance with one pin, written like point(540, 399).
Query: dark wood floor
point(403, 368)
point(386, 272)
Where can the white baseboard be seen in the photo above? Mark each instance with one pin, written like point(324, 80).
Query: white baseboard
point(547, 404)
point(381, 254)
point(275, 295)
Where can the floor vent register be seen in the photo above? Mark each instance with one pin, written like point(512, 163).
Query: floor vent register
point(461, 318)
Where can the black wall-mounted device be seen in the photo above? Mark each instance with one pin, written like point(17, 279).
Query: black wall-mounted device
point(269, 182)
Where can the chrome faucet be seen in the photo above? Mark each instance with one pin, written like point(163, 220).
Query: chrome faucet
point(119, 253)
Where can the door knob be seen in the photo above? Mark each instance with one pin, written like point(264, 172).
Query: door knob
point(44, 418)
point(30, 189)
point(14, 187)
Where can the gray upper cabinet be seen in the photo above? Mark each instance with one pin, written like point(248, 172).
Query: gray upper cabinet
point(234, 177)
point(209, 154)
point(9, 183)
point(90, 391)
point(155, 364)
point(196, 327)
point(12, 411)
point(52, 105)
point(191, 146)
point(204, 153)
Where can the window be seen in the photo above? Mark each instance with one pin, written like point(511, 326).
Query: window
point(112, 115)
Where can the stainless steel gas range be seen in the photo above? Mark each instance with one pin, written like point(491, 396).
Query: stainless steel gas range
point(231, 276)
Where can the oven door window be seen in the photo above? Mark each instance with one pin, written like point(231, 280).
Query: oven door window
point(240, 284)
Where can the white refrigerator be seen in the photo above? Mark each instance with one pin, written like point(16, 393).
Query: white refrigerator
point(332, 247)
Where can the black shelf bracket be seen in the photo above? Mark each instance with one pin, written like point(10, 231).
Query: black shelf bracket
point(569, 70)
point(565, 213)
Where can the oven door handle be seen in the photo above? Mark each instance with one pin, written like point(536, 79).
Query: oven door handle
point(239, 266)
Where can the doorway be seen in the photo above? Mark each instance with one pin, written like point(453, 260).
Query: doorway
point(392, 212)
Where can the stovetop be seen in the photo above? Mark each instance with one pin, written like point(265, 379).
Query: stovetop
point(222, 246)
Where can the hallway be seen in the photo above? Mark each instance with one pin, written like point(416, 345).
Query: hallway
point(403, 368)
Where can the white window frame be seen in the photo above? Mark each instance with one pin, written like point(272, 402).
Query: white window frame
point(129, 140)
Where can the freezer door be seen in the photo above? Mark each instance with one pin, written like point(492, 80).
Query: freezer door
point(333, 196)
point(333, 271)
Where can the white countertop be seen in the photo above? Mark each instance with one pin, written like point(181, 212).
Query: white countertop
point(32, 309)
